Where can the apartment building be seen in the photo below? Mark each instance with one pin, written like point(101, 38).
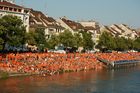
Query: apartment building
point(40, 20)
point(92, 27)
point(70, 25)
point(7, 7)
point(121, 30)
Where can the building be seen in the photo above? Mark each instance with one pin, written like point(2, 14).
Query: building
point(121, 30)
point(70, 25)
point(10, 1)
point(39, 20)
point(92, 27)
point(7, 7)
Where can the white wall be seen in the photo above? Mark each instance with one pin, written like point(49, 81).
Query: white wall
point(23, 16)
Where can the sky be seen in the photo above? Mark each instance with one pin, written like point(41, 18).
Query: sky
point(106, 12)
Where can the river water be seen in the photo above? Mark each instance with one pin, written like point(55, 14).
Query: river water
point(111, 81)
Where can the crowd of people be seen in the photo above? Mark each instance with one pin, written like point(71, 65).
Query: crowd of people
point(113, 57)
point(55, 63)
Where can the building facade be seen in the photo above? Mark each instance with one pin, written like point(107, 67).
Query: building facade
point(7, 7)
point(10, 1)
point(92, 27)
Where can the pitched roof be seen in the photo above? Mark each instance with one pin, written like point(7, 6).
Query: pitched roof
point(72, 24)
point(4, 3)
point(43, 20)
point(89, 28)
point(112, 31)
point(119, 28)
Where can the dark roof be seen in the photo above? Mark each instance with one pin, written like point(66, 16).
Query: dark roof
point(127, 26)
point(109, 29)
point(119, 28)
point(50, 19)
point(44, 20)
point(118, 33)
point(72, 24)
point(4, 3)
point(89, 28)
point(37, 26)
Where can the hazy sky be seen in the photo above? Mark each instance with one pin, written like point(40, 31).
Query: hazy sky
point(106, 12)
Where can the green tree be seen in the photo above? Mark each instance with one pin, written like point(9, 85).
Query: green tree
point(120, 43)
point(67, 39)
point(1, 39)
point(40, 38)
point(88, 43)
point(137, 44)
point(53, 41)
point(106, 41)
point(130, 43)
point(123, 44)
point(78, 40)
point(37, 38)
point(30, 38)
point(12, 31)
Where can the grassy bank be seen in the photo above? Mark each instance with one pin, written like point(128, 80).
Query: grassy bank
point(4, 75)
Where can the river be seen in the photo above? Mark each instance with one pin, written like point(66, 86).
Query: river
point(111, 81)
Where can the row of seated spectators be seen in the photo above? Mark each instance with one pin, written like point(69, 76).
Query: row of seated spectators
point(119, 57)
point(38, 63)
point(50, 63)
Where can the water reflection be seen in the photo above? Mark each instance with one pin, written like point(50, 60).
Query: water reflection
point(112, 81)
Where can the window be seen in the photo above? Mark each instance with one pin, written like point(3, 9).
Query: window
point(51, 30)
point(26, 11)
point(5, 8)
point(15, 9)
point(25, 18)
point(10, 9)
point(1, 15)
point(1, 7)
point(19, 10)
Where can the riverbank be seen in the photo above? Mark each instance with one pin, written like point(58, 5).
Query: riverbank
point(53, 63)
point(4, 75)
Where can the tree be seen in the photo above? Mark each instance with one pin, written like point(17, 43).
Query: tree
point(130, 44)
point(67, 39)
point(53, 41)
point(37, 38)
point(121, 44)
point(106, 42)
point(1, 39)
point(30, 38)
point(12, 31)
point(88, 43)
point(40, 38)
point(137, 44)
point(78, 40)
